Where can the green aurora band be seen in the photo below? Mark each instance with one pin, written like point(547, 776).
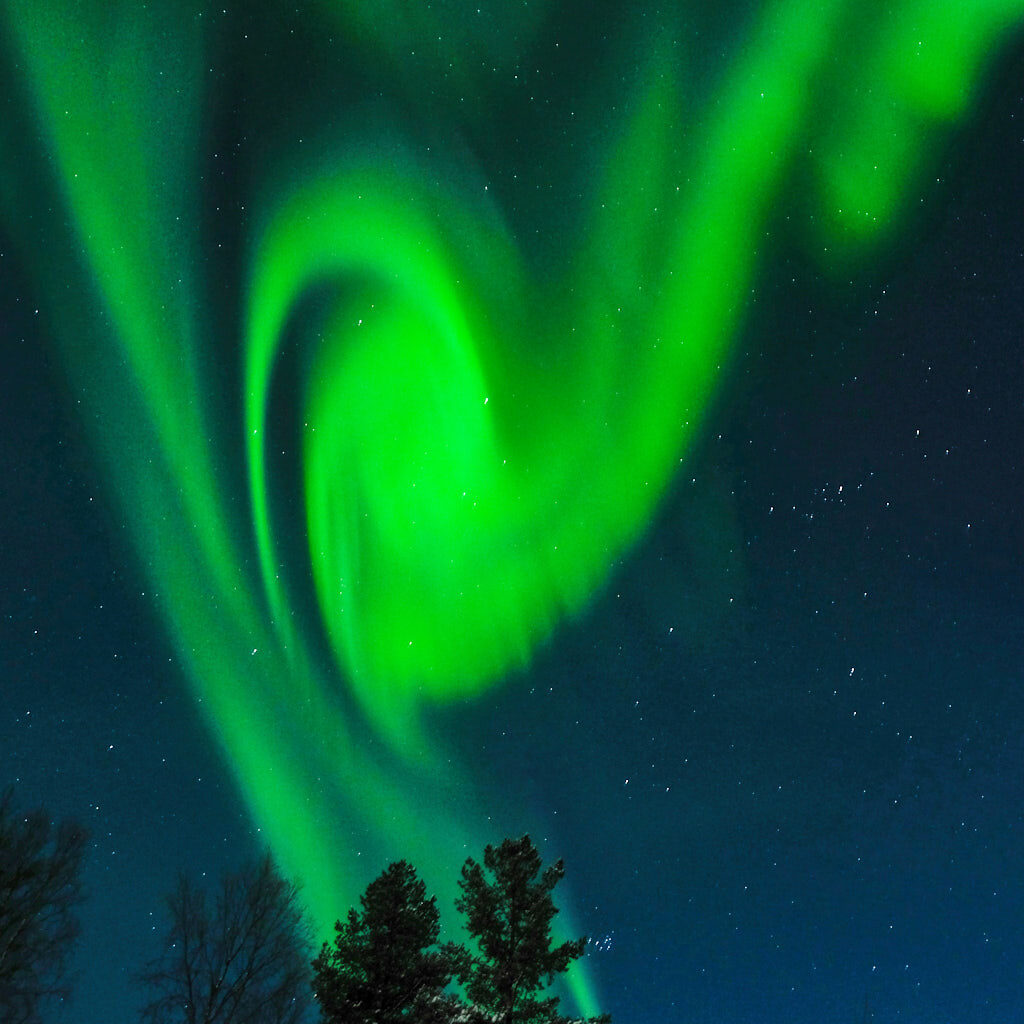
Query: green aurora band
point(481, 441)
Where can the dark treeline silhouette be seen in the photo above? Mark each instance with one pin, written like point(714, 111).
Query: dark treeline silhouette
point(40, 888)
point(385, 965)
point(244, 958)
point(242, 953)
point(240, 958)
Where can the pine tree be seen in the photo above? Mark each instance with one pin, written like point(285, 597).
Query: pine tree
point(381, 967)
point(509, 911)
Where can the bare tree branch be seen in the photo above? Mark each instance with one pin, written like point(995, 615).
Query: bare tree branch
point(40, 887)
point(245, 960)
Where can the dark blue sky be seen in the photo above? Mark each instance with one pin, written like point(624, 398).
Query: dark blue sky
point(781, 755)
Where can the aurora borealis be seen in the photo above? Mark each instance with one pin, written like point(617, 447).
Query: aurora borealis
point(393, 336)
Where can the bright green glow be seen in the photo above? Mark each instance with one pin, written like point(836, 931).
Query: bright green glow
point(479, 445)
point(920, 71)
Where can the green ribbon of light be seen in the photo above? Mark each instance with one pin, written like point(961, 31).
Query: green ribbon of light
point(479, 443)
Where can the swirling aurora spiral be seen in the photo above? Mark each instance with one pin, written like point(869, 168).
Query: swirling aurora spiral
point(479, 445)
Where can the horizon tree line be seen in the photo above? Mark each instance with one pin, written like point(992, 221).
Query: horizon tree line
point(242, 954)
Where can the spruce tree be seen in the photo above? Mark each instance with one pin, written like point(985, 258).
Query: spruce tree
point(381, 967)
point(508, 911)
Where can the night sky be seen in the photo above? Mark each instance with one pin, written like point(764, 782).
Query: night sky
point(779, 741)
